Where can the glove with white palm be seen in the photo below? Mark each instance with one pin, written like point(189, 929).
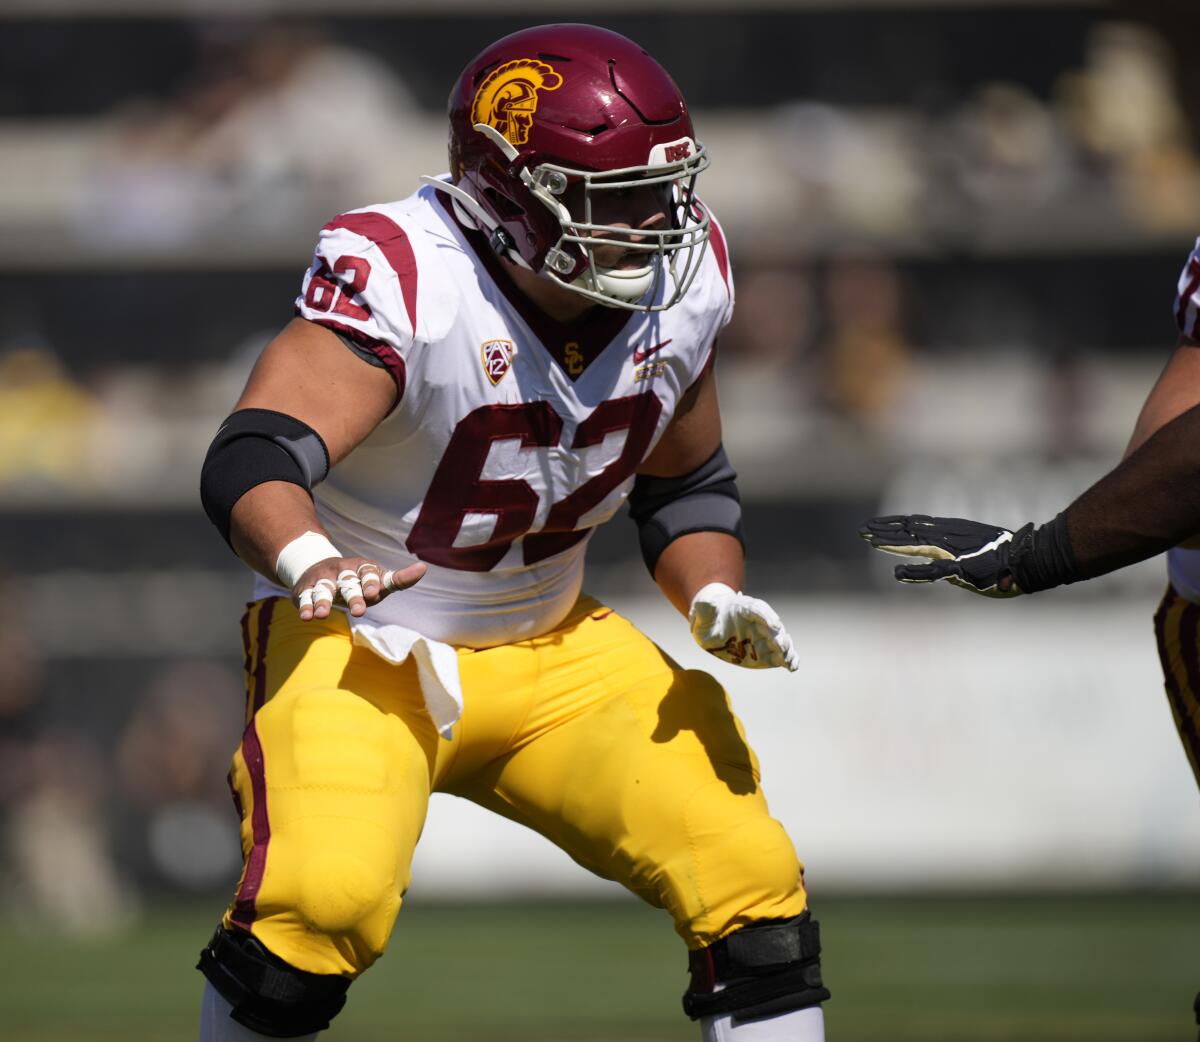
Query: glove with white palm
point(978, 557)
point(739, 629)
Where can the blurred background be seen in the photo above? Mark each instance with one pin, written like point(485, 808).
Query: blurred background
point(956, 229)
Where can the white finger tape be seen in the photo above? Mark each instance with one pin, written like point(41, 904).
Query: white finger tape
point(323, 591)
point(349, 588)
point(306, 598)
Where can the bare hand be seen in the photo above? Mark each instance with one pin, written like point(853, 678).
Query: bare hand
point(353, 581)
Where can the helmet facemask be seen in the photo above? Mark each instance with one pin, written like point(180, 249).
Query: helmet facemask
point(672, 252)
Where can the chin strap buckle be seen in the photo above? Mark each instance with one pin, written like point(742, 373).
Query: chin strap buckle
point(501, 242)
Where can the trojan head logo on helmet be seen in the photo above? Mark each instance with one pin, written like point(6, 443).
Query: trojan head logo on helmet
point(548, 120)
point(508, 97)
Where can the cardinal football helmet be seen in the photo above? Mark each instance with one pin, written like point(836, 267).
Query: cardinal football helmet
point(563, 112)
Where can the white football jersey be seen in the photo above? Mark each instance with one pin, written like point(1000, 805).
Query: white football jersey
point(514, 435)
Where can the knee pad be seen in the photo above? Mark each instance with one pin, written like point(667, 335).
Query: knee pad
point(761, 970)
point(268, 995)
point(340, 895)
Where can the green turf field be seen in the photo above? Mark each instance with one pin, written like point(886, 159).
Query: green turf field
point(1101, 968)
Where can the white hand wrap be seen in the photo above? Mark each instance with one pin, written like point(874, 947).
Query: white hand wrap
point(300, 555)
point(739, 629)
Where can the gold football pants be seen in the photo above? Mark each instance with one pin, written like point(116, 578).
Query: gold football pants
point(1177, 627)
point(589, 734)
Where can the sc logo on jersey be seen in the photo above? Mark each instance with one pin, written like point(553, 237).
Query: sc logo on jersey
point(497, 358)
point(508, 97)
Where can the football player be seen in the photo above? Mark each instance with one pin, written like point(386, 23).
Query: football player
point(477, 376)
point(1149, 503)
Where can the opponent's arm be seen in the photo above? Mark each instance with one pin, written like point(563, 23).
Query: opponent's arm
point(309, 401)
point(1175, 392)
point(686, 505)
point(1147, 504)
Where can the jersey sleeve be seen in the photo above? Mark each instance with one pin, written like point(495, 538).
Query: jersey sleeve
point(1187, 296)
point(362, 284)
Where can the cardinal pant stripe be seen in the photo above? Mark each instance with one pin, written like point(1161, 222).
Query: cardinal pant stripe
point(1185, 707)
point(246, 650)
point(243, 909)
point(1176, 629)
point(250, 654)
point(266, 610)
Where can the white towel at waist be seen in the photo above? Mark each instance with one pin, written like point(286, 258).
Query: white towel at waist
point(437, 666)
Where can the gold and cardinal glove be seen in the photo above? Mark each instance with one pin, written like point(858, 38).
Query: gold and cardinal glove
point(978, 557)
point(740, 629)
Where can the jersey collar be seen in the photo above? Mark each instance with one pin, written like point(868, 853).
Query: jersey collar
point(573, 345)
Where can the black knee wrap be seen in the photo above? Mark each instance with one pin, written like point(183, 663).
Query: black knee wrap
point(268, 995)
point(764, 969)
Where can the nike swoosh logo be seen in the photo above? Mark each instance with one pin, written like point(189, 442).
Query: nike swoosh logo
point(640, 354)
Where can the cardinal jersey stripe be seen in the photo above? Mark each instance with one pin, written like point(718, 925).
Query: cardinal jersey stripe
point(1187, 300)
point(388, 358)
point(721, 252)
point(393, 242)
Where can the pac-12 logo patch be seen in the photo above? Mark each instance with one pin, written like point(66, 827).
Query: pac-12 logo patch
point(508, 97)
point(497, 358)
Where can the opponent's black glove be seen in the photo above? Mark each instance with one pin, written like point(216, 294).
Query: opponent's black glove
point(980, 558)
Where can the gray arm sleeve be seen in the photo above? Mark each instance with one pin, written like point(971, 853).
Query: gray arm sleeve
point(703, 500)
point(252, 447)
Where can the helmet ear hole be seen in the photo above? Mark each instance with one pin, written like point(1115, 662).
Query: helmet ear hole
point(502, 205)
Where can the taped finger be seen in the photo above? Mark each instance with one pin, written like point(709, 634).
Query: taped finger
point(348, 585)
point(390, 583)
point(323, 591)
point(305, 599)
point(369, 573)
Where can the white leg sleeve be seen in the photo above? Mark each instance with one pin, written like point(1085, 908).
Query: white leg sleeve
point(800, 1025)
point(216, 1025)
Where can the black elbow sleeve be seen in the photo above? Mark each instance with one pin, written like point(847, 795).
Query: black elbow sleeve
point(703, 500)
point(254, 446)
